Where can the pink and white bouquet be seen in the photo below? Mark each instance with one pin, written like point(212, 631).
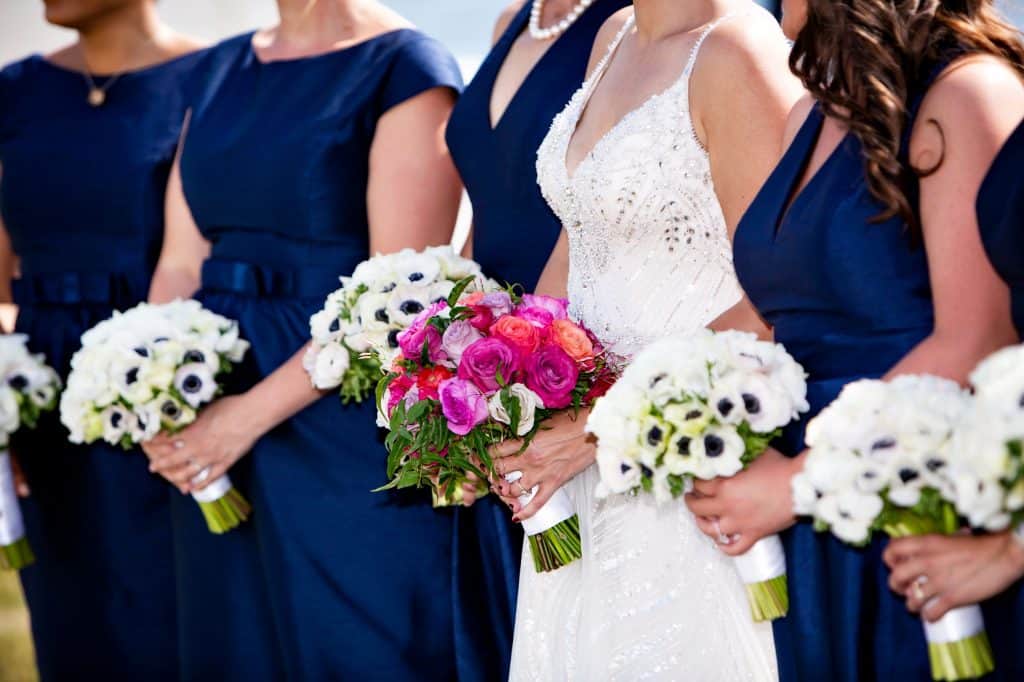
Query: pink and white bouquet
point(700, 407)
point(356, 332)
point(28, 387)
point(882, 459)
point(149, 370)
point(478, 369)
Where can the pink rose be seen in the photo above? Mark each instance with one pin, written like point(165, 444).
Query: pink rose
point(538, 317)
point(552, 374)
point(398, 389)
point(483, 359)
point(463, 405)
point(518, 333)
point(558, 307)
point(422, 335)
point(458, 337)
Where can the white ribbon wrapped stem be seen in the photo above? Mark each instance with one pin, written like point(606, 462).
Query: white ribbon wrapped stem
point(957, 625)
point(213, 492)
point(559, 508)
point(764, 561)
point(12, 527)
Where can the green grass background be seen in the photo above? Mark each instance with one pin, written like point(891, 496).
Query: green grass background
point(17, 661)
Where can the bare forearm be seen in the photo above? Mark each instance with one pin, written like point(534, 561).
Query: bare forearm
point(281, 395)
point(951, 355)
point(170, 283)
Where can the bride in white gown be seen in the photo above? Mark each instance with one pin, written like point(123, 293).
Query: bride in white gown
point(647, 213)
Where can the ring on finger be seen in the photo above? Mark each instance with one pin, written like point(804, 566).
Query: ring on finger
point(522, 489)
point(918, 588)
point(204, 473)
point(179, 444)
point(723, 539)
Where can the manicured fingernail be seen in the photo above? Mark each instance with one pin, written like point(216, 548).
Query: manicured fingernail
point(515, 519)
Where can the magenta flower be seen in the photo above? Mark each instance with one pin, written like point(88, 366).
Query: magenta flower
point(463, 405)
point(484, 359)
point(420, 334)
point(558, 307)
point(552, 374)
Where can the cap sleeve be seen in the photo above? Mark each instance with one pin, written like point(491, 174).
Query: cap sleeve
point(420, 64)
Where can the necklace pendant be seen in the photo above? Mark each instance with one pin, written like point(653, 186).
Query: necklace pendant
point(97, 97)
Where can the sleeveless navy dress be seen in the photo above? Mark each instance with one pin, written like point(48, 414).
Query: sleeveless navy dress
point(326, 580)
point(1001, 222)
point(514, 232)
point(849, 299)
point(82, 200)
point(1001, 219)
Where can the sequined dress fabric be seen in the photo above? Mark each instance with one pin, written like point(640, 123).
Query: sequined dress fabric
point(652, 598)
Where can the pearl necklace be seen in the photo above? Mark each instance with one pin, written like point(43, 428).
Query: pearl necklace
point(538, 33)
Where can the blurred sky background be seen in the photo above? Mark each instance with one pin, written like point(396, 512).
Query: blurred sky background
point(464, 25)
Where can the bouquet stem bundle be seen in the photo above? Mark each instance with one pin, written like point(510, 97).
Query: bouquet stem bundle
point(763, 571)
point(557, 546)
point(223, 507)
point(15, 552)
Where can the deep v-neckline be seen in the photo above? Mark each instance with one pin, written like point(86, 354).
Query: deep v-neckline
point(591, 85)
point(795, 193)
point(512, 34)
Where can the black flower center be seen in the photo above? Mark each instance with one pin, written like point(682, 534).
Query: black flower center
point(388, 288)
point(725, 407)
point(195, 356)
point(192, 384)
point(683, 446)
point(411, 307)
point(115, 419)
point(393, 338)
point(646, 471)
point(654, 436)
point(907, 475)
point(657, 379)
point(141, 351)
point(934, 464)
point(18, 382)
point(625, 468)
point(751, 404)
point(883, 444)
point(692, 414)
point(131, 376)
point(335, 325)
point(714, 446)
point(415, 276)
point(381, 315)
point(170, 409)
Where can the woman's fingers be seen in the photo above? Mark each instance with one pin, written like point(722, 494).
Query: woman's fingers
point(702, 506)
point(544, 493)
point(906, 572)
point(20, 482)
point(506, 448)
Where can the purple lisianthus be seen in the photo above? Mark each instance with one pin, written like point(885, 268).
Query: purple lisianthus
point(499, 302)
point(463, 405)
point(458, 337)
point(422, 335)
point(552, 374)
point(484, 359)
point(558, 307)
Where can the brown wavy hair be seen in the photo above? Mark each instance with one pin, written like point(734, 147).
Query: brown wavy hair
point(866, 61)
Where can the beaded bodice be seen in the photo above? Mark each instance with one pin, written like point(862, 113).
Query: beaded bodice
point(649, 248)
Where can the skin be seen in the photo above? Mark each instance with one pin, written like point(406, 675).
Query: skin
point(113, 36)
point(741, 128)
point(408, 151)
point(969, 101)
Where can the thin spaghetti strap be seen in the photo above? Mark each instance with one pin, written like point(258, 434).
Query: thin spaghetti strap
point(613, 47)
point(704, 34)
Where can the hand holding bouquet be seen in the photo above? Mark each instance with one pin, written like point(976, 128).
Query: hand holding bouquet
point(148, 370)
point(29, 387)
point(357, 330)
point(480, 368)
point(701, 407)
point(881, 459)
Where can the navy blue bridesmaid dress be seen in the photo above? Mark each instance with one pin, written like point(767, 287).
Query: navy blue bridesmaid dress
point(514, 232)
point(1001, 222)
point(849, 299)
point(326, 580)
point(82, 200)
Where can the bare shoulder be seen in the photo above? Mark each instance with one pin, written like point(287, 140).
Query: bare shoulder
point(746, 43)
point(505, 18)
point(67, 56)
point(977, 100)
point(607, 33)
point(796, 119)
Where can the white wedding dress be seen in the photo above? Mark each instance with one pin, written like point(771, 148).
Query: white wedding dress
point(652, 598)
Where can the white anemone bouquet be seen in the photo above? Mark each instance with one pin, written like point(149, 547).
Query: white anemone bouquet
point(702, 406)
point(29, 387)
point(881, 458)
point(150, 369)
point(356, 332)
point(989, 478)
